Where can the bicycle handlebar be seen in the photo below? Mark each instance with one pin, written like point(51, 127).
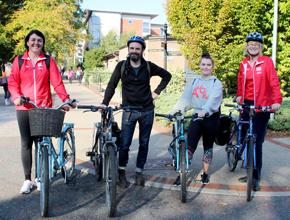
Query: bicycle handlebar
point(179, 116)
point(25, 100)
point(244, 106)
point(94, 108)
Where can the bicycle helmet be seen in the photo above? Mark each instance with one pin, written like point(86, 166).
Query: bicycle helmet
point(255, 36)
point(138, 40)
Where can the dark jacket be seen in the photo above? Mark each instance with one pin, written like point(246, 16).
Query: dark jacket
point(136, 89)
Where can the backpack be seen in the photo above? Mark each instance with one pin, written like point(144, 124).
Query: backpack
point(224, 132)
point(21, 61)
point(123, 69)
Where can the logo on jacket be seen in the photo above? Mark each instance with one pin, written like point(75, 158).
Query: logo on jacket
point(201, 90)
point(39, 65)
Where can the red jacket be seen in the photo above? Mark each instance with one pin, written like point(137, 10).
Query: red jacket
point(266, 82)
point(34, 82)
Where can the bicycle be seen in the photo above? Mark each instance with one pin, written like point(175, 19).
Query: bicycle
point(178, 148)
point(236, 147)
point(46, 123)
point(104, 154)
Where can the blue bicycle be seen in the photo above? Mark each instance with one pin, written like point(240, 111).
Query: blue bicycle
point(178, 148)
point(46, 123)
point(237, 145)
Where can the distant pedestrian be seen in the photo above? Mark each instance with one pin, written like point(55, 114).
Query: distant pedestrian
point(4, 83)
point(70, 75)
point(80, 74)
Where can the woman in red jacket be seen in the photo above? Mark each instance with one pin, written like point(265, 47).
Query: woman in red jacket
point(32, 79)
point(258, 84)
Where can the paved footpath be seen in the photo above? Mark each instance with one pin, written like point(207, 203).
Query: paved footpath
point(221, 199)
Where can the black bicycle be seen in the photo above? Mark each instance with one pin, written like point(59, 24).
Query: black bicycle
point(104, 154)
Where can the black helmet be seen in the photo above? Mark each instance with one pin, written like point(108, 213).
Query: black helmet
point(255, 36)
point(138, 40)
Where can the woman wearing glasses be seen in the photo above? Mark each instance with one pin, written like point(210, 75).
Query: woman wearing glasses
point(258, 84)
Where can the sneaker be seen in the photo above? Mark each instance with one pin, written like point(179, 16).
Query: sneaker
point(26, 187)
point(37, 184)
point(122, 179)
point(205, 179)
point(190, 155)
point(139, 179)
point(177, 182)
point(7, 102)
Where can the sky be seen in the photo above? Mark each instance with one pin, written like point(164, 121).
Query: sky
point(146, 6)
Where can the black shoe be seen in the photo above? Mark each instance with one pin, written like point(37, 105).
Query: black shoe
point(256, 185)
point(177, 182)
point(122, 179)
point(205, 179)
point(243, 179)
point(140, 181)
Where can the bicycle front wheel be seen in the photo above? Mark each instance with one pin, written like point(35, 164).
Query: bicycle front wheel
point(68, 154)
point(44, 181)
point(250, 167)
point(231, 148)
point(111, 180)
point(182, 156)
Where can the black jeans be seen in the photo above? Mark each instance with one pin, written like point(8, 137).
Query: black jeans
point(260, 128)
point(145, 120)
point(7, 93)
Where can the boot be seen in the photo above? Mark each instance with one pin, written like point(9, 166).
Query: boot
point(139, 179)
point(122, 179)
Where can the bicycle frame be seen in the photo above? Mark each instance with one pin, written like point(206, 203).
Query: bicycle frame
point(55, 160)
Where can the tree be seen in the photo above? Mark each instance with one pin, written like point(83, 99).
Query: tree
point(93, 58)
point(59, 21)
point(7, 8)
point(220, 28)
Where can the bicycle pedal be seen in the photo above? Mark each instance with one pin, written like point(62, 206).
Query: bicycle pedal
point(89, 154)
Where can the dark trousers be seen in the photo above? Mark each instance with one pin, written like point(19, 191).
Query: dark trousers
point(145, 120)
point(26, 144)
point(260, 128)
point(207, 128)
point(6, 92)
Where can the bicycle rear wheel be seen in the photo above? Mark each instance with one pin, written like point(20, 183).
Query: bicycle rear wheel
point(231, 148)
point(182, 163)
point(44, 181)
point(111, 180)
point(68, 154)
point(250, 167)
point(98, 161)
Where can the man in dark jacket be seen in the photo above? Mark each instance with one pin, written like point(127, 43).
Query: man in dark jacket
point(135, 75)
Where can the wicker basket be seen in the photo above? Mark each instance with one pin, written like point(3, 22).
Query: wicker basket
point(46, 122)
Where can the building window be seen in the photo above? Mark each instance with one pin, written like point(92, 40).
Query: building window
point(146, 28)
point(130, 22)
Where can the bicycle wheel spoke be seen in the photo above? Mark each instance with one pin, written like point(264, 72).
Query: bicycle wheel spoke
point(231, 148)
point(68, 154)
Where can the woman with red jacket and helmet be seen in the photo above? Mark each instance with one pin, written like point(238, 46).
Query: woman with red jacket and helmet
point(33, 80)
point(258, 84)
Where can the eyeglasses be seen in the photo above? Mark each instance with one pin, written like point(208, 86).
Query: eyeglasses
point(253, 45)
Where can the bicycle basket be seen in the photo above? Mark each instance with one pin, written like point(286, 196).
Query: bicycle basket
point(223, 134)
point(46, 122)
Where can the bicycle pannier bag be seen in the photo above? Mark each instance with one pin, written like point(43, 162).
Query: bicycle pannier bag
point(223, 134)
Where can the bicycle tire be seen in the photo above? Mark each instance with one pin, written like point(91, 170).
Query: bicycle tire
point(44, 181)
point(250, 167)
point(232, 156)
point(111, 180)
point(68, 151)
point(183, 170)
point(98, 161)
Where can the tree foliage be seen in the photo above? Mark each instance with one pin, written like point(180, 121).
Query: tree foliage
point(59, 20)
point(220, 28)
point(112, 42)
point(93, 58)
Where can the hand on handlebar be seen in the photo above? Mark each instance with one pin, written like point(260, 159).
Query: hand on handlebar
point(17, 102)
point(101, 110)
point(276, 106)
point(201, 114)
point(238, 99)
